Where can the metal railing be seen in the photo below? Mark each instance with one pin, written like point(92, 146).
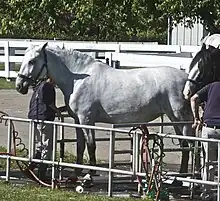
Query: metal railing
point(111, 168)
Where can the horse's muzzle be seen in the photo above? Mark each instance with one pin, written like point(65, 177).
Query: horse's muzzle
point(21, 89)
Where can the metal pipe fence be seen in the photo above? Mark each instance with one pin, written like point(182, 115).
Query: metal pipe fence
point(111, 170)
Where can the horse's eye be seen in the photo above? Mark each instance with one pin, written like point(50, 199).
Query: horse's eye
point(31, 62)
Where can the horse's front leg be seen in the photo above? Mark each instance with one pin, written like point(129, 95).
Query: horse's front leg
point(91, 147)
point(80, 145)
point(183, 144)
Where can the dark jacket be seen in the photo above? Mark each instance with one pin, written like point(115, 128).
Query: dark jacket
point(43, 96)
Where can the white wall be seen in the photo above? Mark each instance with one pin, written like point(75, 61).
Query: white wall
point(182, 35)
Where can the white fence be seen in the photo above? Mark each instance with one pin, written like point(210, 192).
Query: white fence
point(111, 168)
point(134, 53)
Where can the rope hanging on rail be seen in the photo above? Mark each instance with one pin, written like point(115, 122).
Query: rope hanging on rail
point(151, 152)
point(17, 144)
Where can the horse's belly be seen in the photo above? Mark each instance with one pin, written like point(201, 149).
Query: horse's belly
point(142, 115)
point(126, 118)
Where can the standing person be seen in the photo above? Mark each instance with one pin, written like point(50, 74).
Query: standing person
point(43, 107)
point(209, 94)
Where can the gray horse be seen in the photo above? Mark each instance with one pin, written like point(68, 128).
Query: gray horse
point(96, 92)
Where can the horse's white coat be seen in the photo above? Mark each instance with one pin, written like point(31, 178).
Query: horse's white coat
point(96, 92)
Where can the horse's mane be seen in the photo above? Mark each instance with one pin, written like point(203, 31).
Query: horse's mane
point(209, 62)
point(199, 55)
point(72, 58)
point(215, 58)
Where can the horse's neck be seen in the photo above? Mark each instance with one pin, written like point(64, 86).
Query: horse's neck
point(59, 73)
point(75, 61)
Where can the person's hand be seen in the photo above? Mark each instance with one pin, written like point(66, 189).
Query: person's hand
point(63, 108)
point(60, 116)
point(197, 122)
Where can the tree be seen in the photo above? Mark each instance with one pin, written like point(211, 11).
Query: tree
point(188, 11)
point(115, 20)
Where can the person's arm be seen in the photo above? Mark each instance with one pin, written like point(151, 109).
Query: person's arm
point(56, 109)
point(195, 101)
point(49, 96)
point(63, 108)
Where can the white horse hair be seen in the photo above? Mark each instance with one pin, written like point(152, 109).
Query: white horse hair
point(96, 92)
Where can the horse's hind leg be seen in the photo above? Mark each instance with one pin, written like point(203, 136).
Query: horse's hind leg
point(186, 130)
point(89, 135)
point(91, 147)
point(185, 153)
point(80, 144)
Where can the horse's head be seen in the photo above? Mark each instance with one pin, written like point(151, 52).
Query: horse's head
point(33, 68)
point(203, 70)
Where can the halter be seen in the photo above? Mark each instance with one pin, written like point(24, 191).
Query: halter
point(197, 84)
point(33, 81)
point(194, 81)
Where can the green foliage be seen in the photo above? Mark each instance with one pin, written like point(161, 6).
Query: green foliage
point(187, 11)
point(102, 20)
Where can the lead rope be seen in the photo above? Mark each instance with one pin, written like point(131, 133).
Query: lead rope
point(151, 153)
point(23, 165)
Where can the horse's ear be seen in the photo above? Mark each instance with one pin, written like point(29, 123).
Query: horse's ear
point(43, 46)
point(63, 48)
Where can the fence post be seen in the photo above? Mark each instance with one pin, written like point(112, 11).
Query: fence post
point(137, 156)
point(54, 155)
point(218, 193)
point(11, 64)
point(134, 153)
point(161, 120)
point(62, 148)
point(111, 161)
point(107, 61)
point(115, 64)
point(31, 140)
point(6, 51)
point(108, 58)
point(8, 167)
point(118, 49)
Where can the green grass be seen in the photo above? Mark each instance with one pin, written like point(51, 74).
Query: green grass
point(4, 84)
point(9, 192)
point(16, 66)
point(8, 84)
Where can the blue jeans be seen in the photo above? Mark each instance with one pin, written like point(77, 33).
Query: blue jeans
point(211, 153)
